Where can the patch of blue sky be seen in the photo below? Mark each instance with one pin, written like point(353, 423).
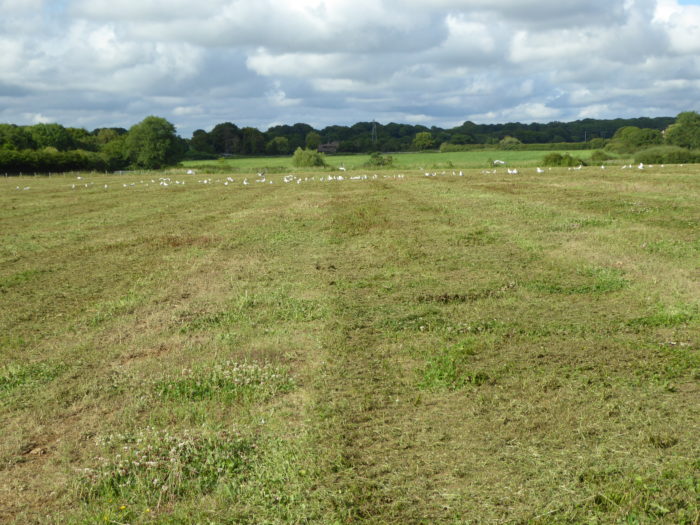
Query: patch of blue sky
point(56, 7)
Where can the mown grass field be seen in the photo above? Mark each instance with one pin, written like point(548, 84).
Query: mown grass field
point(490, 348)
point(402, 161)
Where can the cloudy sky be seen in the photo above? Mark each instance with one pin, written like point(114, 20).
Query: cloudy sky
point(95, 63)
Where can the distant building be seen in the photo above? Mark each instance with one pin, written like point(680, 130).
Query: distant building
point(331, 147)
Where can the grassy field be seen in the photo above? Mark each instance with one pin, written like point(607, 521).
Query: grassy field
point(490, 348)
point(402, 161)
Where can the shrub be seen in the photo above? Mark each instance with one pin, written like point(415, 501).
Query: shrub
point(597, 143)
point(566, 160)
point(667, 155)
point(509, 143)
point(600, 156)
point(377, 160)
point(631, 138)
point(544, 146)
point(50, 160)
point(307, 158)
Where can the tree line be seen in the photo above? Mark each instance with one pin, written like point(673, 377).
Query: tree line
point(153, 143)
point(365, 137)
point(45, 148)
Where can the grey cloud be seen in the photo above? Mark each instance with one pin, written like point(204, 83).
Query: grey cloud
point(534, 14)
point(11, 90)
point(340, 26)
point(101, 62)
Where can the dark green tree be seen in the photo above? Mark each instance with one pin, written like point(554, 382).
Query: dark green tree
point(51, 136)
point(685, 132)
point(153, 144)
point(106, 135)
point(226, 138)
point(252, 141)
point(423, 140)
point(15, 138)
point(462, 138)
point(277, 146)
point(201, 141)
point(313, 140)
point(81, 139)
point(115, 154)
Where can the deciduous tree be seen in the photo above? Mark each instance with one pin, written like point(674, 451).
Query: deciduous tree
point(153, 144)
point(51, 135)
point(423, 140)
point(629, 139)
point(277, 146)
point(313, 140)
point(685, 132)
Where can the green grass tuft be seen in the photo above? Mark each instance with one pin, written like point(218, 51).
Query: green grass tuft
point(13, 376)
point(449, 368)
point(19, 279)
point(667, 317)
point(250, 308)
point(109, 310)
point(153, 467)
point(596, 281)
point(226, 382)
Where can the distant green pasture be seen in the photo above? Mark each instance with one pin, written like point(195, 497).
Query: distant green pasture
point(408, 161)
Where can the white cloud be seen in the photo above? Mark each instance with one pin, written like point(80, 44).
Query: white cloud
point(342, 61)
point(595, 111)
point(536, 111)
point(682, 25)
point(339, 85)
point(12, 56)
point(181, 111)
point(528, 112)
point(20, 6)
point(278, 97)
point(292, 64)
point(419, 119)
point(137, 10)
point(470, 41)
point(37, 118)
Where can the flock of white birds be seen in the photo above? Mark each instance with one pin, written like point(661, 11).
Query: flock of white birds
point(262, 178)
point(166, 182)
